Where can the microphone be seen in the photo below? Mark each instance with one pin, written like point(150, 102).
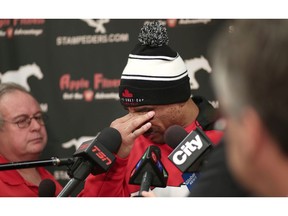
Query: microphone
point(93, 156)
point(149, 171)
point(54, 161)
point(47, 188)
point(190, 151)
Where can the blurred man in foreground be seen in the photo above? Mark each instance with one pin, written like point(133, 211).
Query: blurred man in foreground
point(250, 65)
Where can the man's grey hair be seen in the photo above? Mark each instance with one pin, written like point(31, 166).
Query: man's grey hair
point(250, 68)
point(8, 88)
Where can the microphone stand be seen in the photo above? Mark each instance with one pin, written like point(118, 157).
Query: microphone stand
point(54, 161)
point(145, 183)
point(78, 173)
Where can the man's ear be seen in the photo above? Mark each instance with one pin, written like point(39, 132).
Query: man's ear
point(255, 131)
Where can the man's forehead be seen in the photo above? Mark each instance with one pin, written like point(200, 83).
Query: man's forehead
point(141, 108)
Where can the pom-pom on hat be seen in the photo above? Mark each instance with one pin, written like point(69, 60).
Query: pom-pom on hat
point(154, 74)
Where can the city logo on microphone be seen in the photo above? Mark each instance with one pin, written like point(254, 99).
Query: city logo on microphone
point(186, 150)
point(187, 155)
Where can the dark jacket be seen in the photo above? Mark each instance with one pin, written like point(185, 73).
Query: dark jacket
point(215, 178)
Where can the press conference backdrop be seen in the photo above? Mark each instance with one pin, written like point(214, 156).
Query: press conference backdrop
point(73, 68)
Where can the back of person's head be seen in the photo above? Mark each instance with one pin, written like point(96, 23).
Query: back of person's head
point(8, 88)
point(250, 65)
point(155, 74)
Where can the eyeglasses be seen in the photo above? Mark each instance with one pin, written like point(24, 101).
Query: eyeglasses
point(25, 120)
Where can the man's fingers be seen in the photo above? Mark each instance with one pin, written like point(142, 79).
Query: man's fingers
point(135, 125)
point(141, 130)
point(141, 120)
point(132, 122)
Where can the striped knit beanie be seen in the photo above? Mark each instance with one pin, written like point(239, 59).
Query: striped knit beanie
point(154, 74)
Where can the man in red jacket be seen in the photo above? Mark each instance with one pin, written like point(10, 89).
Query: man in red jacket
point(155, 90)
point(23, 137)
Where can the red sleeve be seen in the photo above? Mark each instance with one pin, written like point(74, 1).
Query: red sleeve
point(214, 135)
point(109, 184)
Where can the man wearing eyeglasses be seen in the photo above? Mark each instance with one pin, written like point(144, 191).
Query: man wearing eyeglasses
point(23, 137)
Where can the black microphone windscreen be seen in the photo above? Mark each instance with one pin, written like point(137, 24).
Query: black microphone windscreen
point(174, 135)
point(110, 138)
point(47, 188)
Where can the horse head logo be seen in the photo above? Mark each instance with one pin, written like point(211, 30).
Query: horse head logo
point(21, 75)
point(97, 24)
point(195, 64)
point(76, 142)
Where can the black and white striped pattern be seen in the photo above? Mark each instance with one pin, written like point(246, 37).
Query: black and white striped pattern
point(154, 74)
point(154, 68)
